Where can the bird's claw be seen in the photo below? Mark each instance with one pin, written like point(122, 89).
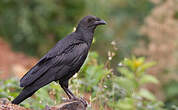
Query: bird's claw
point(82, 100)
point(76, 99)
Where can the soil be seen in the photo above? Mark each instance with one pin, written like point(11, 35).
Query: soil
point(13, 63)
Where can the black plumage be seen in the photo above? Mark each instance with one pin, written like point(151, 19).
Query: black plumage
point(62, 61)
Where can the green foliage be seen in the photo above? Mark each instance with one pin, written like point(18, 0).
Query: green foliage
point(133, 78)
point(92, 73)
point(106, 90)
point(171, 93)
point(48, 95)
point(34, 26)
point(123, 92)
point(7, 87)
point(124, 18)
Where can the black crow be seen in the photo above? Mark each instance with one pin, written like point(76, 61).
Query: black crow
point(62, 61)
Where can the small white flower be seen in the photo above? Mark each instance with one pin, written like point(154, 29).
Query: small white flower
point(113, 43)
point(109, 58)
point(120, 64)
point(105, 86)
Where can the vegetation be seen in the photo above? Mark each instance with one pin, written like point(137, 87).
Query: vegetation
point(135, 27)
point(107, 90)
point(39, 24)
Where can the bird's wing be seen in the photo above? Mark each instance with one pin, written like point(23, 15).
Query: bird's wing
point(37, 71)
point(47, 62)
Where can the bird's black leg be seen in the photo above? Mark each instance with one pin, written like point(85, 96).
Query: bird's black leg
point(66, 91)
point(75, 98)
point(64, 85)
point(71, 96)
point(69, 91)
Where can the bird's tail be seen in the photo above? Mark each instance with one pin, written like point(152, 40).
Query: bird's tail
point(23, 95)
point(31, 89)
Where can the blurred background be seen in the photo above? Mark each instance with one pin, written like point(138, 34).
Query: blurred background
point(133, 62)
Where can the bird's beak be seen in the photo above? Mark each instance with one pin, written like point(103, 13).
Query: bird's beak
point(100, 22)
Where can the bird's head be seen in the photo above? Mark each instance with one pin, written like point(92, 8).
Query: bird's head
point(89, 23)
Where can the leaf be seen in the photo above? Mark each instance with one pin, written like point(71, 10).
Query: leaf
point(146, 94)
point(146, 66)
point(126, 72)
point(127, 84)
point(126, 104)
point(129, 63)
point(146, 78)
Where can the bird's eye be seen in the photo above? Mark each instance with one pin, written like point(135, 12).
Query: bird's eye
point(90, 20)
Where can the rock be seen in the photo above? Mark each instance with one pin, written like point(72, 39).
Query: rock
point(77, 104)
point(70, 105)
point(5, 104)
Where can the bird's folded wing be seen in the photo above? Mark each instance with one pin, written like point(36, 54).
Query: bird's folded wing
point(36, 72)
point(44, 64)
point(49, 62)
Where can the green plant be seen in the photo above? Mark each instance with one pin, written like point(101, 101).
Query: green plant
point(35, 26)
point(132, 80)
point(124, 92)
point(171, 94)
point(48, 95)
point(106, 90)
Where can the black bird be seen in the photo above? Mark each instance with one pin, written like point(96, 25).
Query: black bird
point(62, 61)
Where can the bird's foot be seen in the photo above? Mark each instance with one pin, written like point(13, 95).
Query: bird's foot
point(81, 99)
point(76, 99)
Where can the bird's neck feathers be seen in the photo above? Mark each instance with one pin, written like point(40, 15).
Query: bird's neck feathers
point(85, 34)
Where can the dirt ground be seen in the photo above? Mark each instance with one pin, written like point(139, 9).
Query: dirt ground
point(13, 63)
